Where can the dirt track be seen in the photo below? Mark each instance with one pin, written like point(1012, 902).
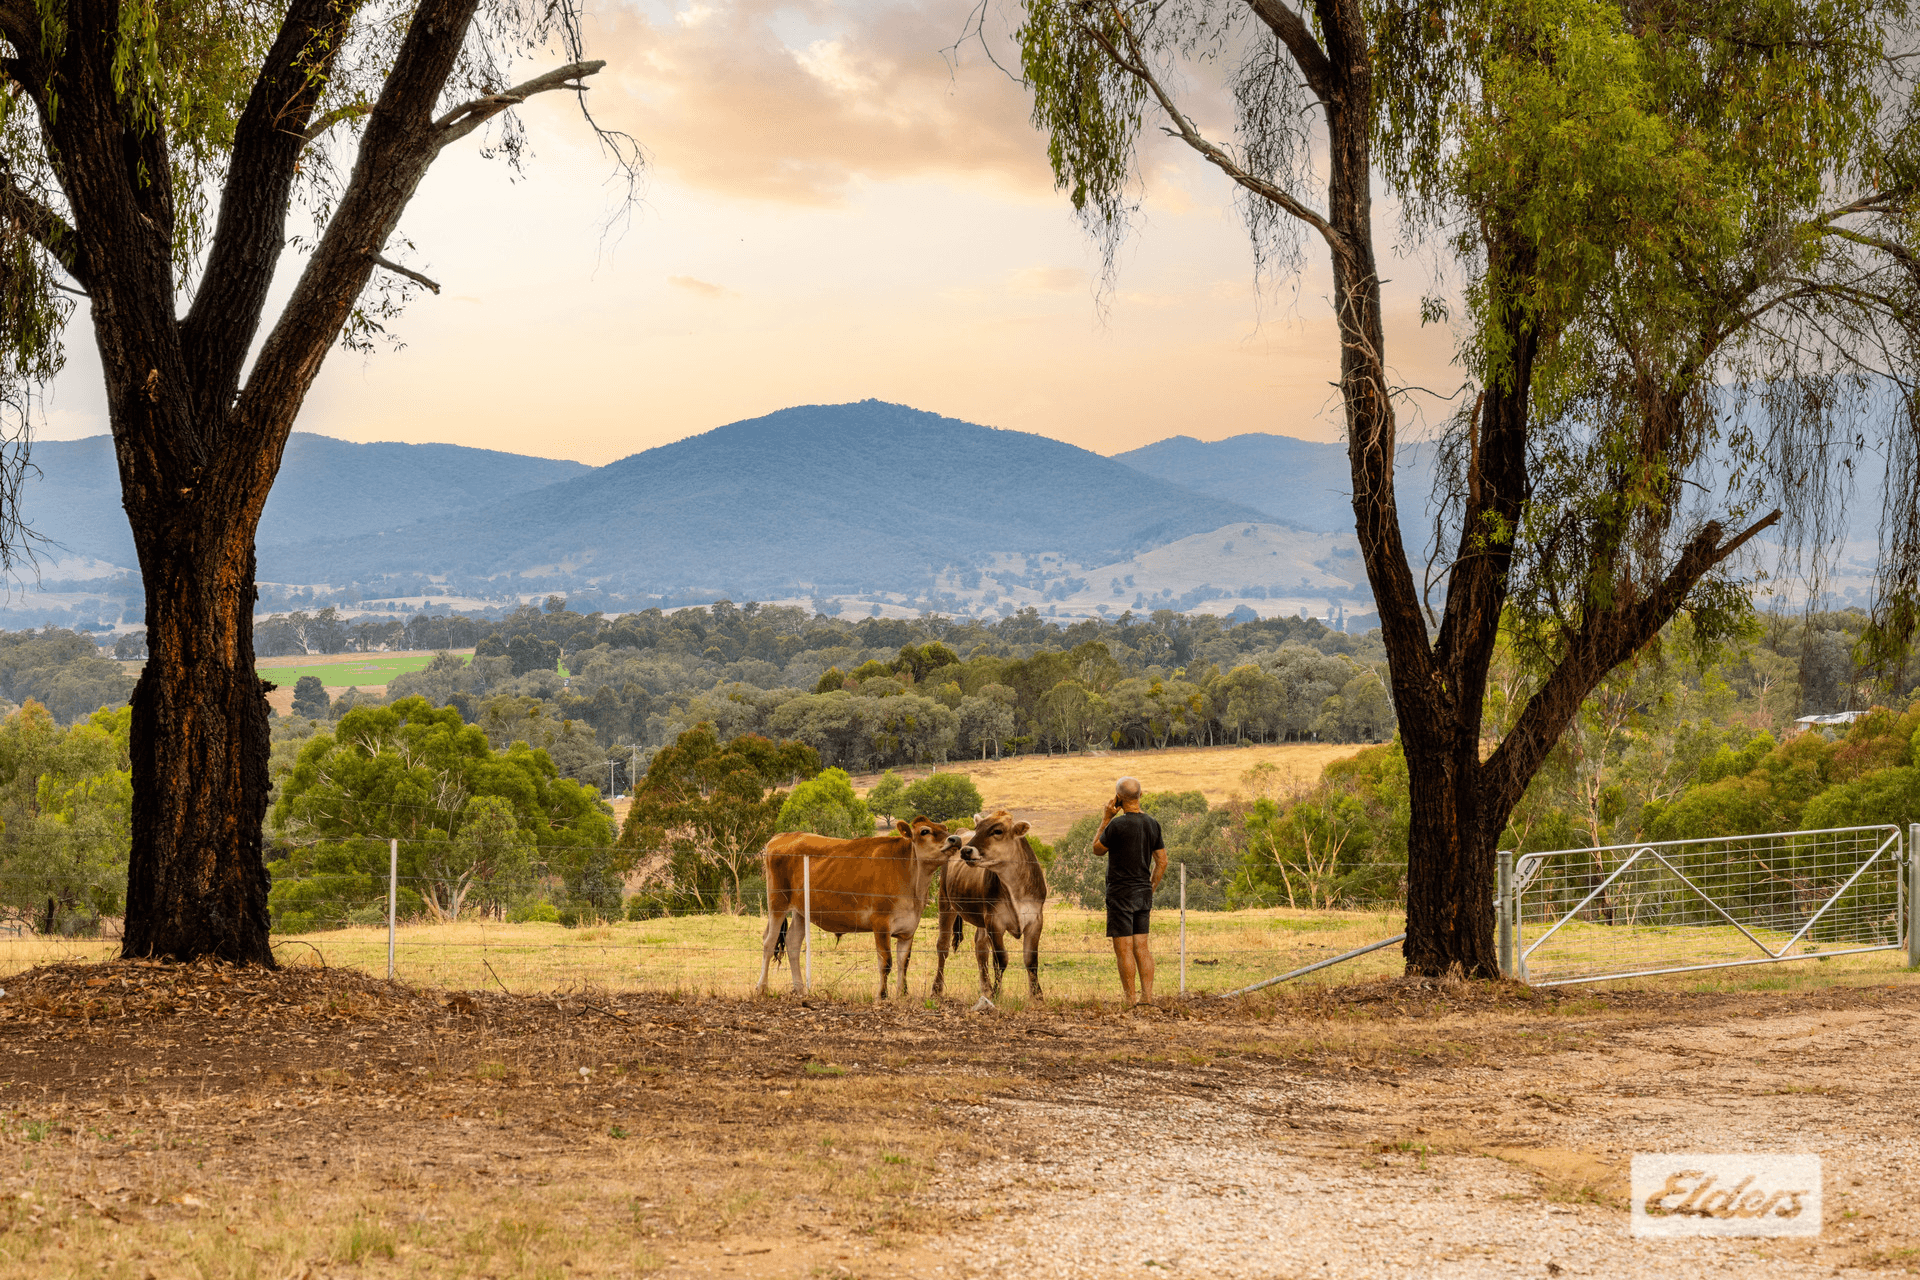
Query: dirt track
point(174, 1122)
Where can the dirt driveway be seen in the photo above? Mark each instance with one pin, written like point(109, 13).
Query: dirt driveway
point(164, 1122)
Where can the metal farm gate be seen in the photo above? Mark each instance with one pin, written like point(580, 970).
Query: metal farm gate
point(1584, 915)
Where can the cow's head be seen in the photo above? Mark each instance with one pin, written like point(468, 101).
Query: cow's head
point(995, 843)
point(928, 839)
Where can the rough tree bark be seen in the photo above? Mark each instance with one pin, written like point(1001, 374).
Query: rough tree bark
point(197, 450)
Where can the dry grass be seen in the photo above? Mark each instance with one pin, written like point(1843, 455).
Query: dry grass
point(1052, 791)
point(718, 955)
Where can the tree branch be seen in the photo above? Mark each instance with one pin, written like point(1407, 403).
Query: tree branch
point(1727, 549)
point(468, 116)
point(1899, 252)
point(19, 23)
point(1604, 640)
point(1877, 202)
point(352, 110)
point(1298, 37)
point(37, 219)
point(268, 139)
point(1184, 129)
point(399, 270)
point(400, 142)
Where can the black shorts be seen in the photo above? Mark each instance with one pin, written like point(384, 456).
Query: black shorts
point(1128, 911)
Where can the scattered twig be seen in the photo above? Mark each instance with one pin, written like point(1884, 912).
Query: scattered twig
point(295, 942)
point(608, 1012)
point(496, 977)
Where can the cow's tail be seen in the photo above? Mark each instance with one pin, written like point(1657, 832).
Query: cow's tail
point(780, 943)
point(959, 928)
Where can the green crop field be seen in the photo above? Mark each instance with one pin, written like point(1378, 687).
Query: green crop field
point(336, 673)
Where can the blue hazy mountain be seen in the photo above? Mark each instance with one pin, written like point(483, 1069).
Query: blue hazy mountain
point(1303, 482)
point(813, 498)
point(326, 488)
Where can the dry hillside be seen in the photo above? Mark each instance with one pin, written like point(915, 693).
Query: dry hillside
point(1051, 791)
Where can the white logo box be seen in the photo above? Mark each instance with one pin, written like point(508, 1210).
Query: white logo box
point(1738, 1194)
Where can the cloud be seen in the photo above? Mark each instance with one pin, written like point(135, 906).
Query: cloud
point(1034, 280)
point(701, 288)
point(725, 96)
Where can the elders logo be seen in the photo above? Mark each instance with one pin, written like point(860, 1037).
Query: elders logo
point(1726, 1195)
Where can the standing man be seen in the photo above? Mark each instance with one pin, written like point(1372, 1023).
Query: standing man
point(1136, 859)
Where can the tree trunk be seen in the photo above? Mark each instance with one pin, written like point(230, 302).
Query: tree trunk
point(1450, 880)
point(197, 448)
point(196, 878)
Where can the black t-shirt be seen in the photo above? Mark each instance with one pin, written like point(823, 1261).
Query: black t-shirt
point(1130, 840)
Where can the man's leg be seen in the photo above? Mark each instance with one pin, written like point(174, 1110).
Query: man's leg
point(1143, 964)
point(1123, 955)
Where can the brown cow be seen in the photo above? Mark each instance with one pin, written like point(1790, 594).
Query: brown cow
point(876, 884)
point(996, 884)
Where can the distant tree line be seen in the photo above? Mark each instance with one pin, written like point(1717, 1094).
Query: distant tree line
point(601, 695)
point(492, 780)
point(64, 671)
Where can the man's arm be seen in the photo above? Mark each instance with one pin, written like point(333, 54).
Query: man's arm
point(1100, 850)
point(1159, 865)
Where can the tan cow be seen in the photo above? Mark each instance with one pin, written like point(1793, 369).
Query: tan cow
point(877, 884)
point(996, 884)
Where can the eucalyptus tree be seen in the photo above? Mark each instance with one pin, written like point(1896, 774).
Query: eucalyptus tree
point(156, 152)
point(1685, 235)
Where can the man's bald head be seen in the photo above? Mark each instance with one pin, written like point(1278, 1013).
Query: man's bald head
point(1127, 792)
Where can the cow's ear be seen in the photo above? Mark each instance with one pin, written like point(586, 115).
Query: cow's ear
point(904, 828)
point(1019, 828)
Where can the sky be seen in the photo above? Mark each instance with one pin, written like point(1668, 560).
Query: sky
point(837, 204)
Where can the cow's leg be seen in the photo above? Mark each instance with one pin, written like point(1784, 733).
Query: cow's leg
point(883, 947)
point(949, 920)
point(999, 959)
point(981, 948)
point(1030, 949)
point(776, 921)
point(906, 958)
point(796, 943)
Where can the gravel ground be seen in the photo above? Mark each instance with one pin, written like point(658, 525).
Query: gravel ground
point(1467, 1172)
point(343, 1127)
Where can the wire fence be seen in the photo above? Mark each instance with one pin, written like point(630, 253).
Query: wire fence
point(1581, 915)
point(530, 925)
point(682, 943)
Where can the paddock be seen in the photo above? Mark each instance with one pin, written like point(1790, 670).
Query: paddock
point(719, 955)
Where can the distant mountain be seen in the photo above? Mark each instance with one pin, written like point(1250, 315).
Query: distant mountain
point(327, 488)
point(815, 498)
point(1303, 482)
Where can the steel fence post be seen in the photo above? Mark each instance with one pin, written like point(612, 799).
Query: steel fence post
point(1183, 928)
point(1913, 895)
point(1503, 910)
point(393, 896)
point(806, 917)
